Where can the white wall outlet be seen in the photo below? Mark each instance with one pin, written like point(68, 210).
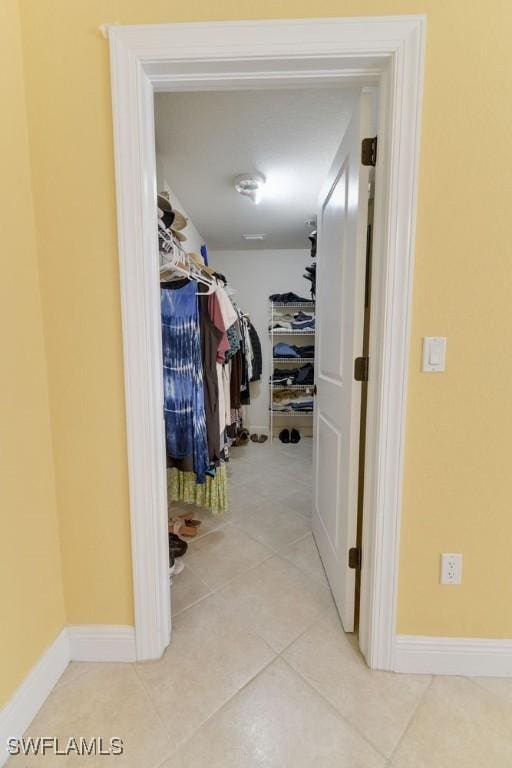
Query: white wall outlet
point(451, 568)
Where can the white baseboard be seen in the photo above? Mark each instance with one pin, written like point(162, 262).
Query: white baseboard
point(101, 642)
point(20, 710)
point(464, 656)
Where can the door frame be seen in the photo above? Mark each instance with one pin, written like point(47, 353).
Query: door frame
point(383, 51)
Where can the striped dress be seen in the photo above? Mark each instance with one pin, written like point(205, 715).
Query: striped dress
point(185, 422)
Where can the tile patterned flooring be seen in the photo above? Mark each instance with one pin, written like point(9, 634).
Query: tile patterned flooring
point(259, 673)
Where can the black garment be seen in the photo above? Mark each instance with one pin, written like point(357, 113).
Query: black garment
point(235, 383)
point(245, 395)
point(312, 240)
point(257, 363)
point(288, 298)
point(305, 375)
point(284, 375)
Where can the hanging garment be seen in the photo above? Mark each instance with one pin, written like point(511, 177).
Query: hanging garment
point(257, 363)
point(233, 334)
point(248, 348)
point(210, 339)
point(217, 319)
point(212, 494)
point(185, 421)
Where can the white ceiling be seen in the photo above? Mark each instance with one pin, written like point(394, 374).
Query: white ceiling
point(205, 139)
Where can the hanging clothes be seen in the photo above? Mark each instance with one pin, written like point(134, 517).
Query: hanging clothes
point(257, 363)
point(212, 494)
point(184, 413)
point(210, 339)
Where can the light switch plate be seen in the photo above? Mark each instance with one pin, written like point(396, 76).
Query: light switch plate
point(434, 354)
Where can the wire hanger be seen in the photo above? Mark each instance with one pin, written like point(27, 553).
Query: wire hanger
point(176, 262)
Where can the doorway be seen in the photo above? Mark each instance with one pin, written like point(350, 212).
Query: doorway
point(382, 52)
point(293, 329)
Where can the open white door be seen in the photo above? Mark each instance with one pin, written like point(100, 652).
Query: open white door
point(341, 256)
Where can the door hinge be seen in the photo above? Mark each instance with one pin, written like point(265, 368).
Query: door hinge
point(361, 368)
point(354, 558)
point(369, 151)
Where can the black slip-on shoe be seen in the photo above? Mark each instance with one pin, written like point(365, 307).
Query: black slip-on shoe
point(284, 435)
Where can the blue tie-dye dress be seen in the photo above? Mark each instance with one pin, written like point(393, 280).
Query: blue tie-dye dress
point(185, 422)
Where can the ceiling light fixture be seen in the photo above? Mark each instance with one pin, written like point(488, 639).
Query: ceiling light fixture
point(254, 237)
point(250, 185)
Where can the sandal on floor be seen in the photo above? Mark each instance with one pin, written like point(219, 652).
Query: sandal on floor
point(262, 438)
point(255, 438)
point(189, 520)
point(242, 438)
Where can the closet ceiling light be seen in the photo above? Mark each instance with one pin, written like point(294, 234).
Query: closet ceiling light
point(254, 237)
point(250, 185)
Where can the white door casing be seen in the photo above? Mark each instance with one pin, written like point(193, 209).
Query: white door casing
point(341, 266)
point(383, 51)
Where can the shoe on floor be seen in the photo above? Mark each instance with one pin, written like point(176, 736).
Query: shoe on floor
point(177, 547)
point(178, 567)
point(284, 435)
point(295, 436)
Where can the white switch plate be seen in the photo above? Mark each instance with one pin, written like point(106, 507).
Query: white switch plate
point(434, 354)
point(451, 568)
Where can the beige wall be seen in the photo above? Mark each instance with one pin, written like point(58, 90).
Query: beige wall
point(458, 482)
point(31, 602)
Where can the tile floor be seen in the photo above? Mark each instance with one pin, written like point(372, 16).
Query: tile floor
point(259, 673)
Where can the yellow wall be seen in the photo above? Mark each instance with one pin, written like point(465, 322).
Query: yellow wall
point(31, 601)
point(458, 481)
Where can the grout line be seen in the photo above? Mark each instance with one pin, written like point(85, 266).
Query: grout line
point(224, 704)
point(331, 706)
point(412, 718)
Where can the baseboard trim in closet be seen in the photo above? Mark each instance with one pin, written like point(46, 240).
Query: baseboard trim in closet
point(101, 642)
point(29, 697)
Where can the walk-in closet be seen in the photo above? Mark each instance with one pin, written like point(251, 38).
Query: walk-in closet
point(240, 176)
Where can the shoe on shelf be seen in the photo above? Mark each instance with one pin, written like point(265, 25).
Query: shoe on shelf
point(295, 436)
point(284, 435)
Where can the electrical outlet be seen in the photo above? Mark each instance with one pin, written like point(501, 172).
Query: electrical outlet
point(451, 568)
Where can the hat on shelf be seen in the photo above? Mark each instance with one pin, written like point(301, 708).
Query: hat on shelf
point(172, 219)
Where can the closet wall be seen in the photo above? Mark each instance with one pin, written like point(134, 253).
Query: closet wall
point(31, 600)
point(255, 275)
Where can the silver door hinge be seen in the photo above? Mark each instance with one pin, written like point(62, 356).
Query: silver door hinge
point(369, 151)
